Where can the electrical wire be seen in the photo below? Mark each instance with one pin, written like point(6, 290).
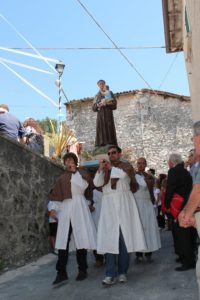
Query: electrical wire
point(28, 54)
point(29, 84)
point(168, 71)
point(88, 48)
point(115, 45)
point(27, 42)
point(24, 65)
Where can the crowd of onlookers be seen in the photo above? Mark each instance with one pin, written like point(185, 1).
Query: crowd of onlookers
point(29, 132)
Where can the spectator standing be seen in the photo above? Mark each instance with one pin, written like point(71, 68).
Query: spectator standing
point(192, 161)
point(152, 172)
point(34, 135)
point(160, 216)
point(10, 126)
point(179, 181)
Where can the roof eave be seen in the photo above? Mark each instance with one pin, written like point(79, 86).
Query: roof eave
point(170, 48)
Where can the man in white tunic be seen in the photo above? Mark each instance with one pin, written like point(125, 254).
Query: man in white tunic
point(74, 217)
point(119, 231)
point(145, 199)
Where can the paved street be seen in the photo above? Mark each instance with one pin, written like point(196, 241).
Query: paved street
point(157, 280)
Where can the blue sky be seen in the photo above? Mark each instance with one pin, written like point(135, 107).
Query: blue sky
point(65, 24)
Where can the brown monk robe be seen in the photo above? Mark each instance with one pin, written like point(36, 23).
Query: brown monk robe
point(105, 126)
point(62, 188)
point(127, 168)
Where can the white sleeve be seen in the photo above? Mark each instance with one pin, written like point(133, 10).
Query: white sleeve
point(78, 180)
point(53, 205)
point(117, 173)
point(99, 179)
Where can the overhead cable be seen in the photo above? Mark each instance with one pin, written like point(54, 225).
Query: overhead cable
point(115, 45)
point(167, 73)
point(14, 50)
point(29, 84)
point(89, 48)
point(24, 65)
point(27, 42)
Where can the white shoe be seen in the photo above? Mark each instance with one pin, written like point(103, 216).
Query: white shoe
point(122, 278)
point(108, 281)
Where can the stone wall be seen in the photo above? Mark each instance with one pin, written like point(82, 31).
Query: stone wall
point(25, 181)
point(148, 124)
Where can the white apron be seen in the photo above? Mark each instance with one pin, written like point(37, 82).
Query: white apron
point(118, 210)
point(76, 211)
point(147, 215)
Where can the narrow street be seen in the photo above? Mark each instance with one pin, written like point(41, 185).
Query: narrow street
point(153, 281)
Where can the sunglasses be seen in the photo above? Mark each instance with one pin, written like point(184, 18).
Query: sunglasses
point(112, 152)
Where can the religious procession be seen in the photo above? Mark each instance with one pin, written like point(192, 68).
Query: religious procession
point(117, 210)
point(101, 201)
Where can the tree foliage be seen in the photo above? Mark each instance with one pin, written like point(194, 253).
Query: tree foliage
point(45, 124)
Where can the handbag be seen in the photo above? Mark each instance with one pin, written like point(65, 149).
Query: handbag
point(176, 205)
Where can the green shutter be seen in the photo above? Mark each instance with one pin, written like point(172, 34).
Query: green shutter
point(186, 21)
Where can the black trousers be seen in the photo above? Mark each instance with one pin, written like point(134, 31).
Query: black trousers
point(160, 218)
point(81, 257)
point(98, 257)
point(140, 254)
point(184, 243)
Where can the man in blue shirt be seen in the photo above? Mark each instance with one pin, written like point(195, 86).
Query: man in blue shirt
point(10, 126)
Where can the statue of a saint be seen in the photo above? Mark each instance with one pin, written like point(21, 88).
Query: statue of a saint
point(104, 104)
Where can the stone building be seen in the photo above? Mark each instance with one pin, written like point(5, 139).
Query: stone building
point(182, 33)
point(148, 123)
